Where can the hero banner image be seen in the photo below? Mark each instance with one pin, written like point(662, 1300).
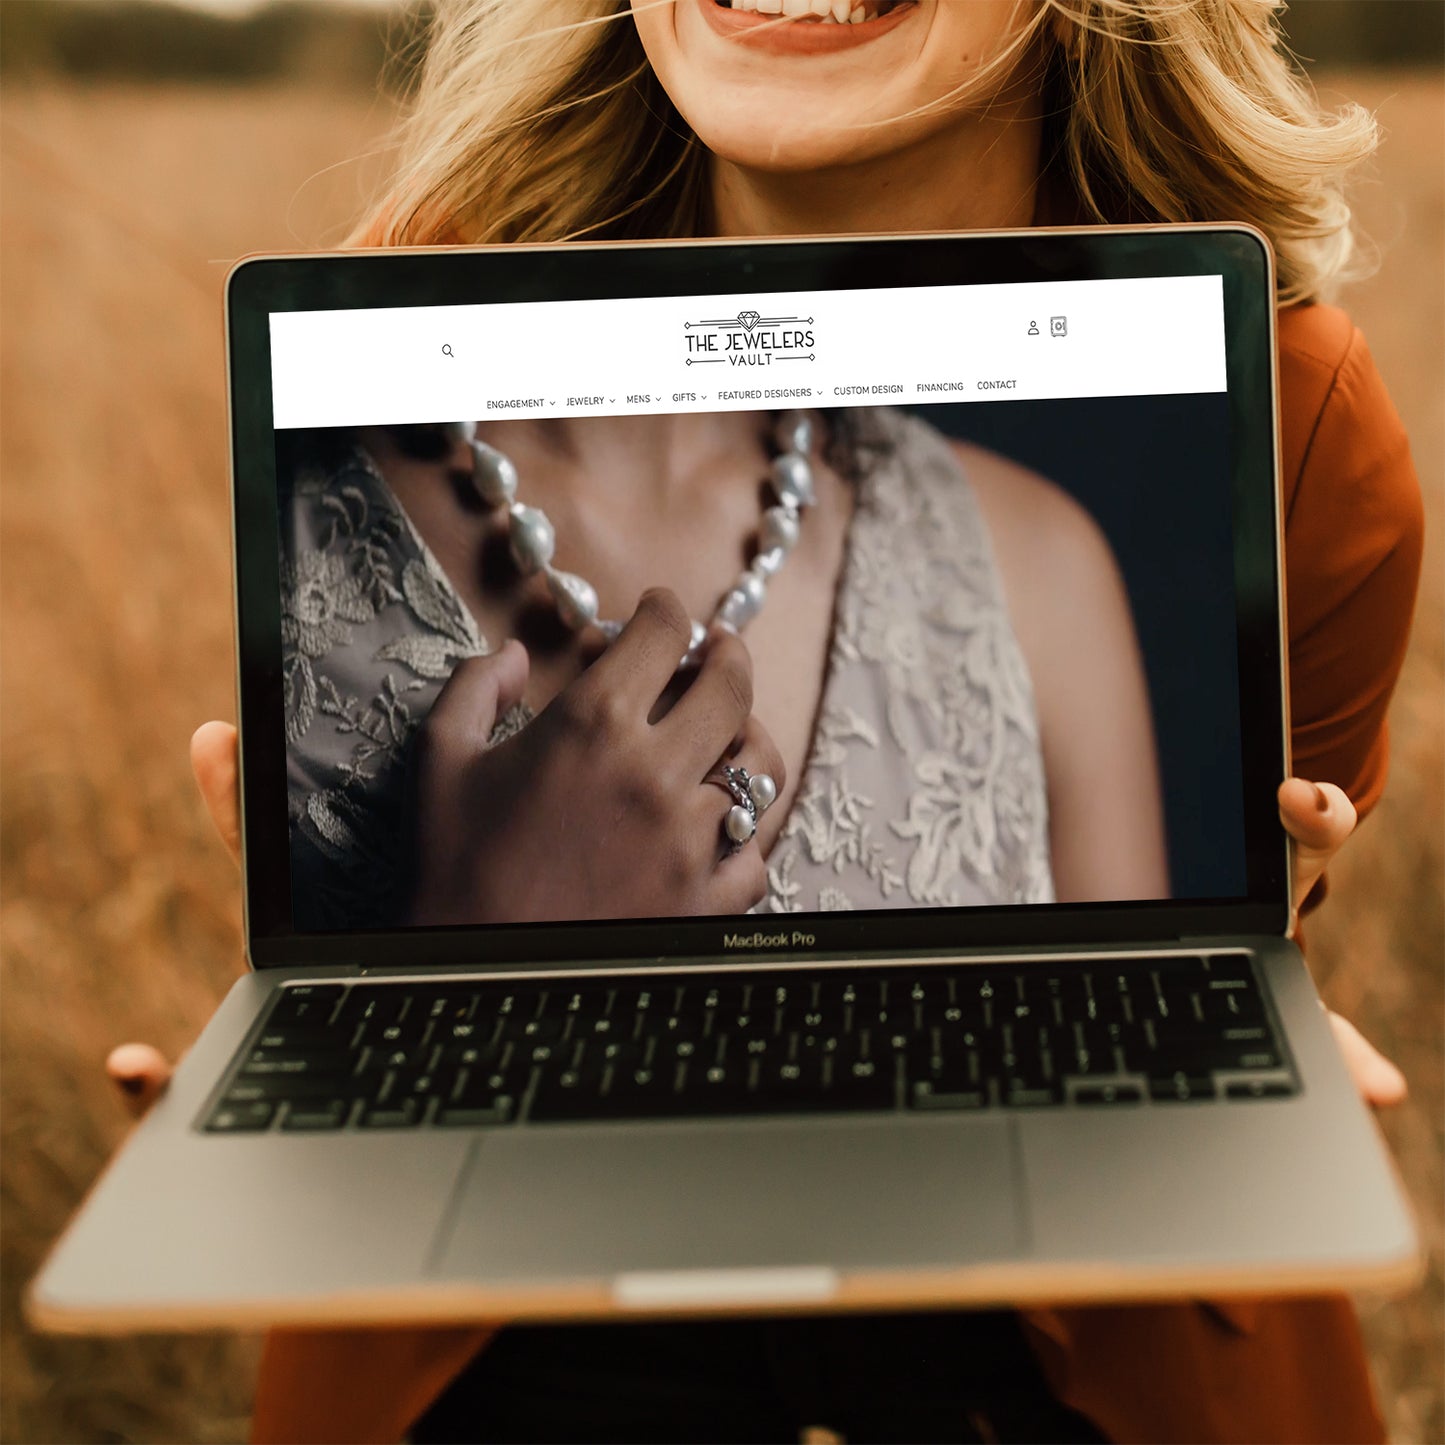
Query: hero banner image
point(891, 638)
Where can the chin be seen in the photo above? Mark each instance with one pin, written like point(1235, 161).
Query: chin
point(792, 144)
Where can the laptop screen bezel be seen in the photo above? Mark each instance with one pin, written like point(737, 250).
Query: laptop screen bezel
point(259, 286)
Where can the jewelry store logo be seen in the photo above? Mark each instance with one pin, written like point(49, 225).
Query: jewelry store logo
point(749, 339)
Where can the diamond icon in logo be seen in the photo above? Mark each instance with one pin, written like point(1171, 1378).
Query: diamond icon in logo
point(748, 319)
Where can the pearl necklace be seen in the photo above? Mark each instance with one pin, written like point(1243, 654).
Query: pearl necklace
point(532, 538)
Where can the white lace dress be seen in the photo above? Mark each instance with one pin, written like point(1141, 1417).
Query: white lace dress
point(925, 784)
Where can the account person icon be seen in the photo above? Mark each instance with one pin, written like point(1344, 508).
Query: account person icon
point(1033, 328)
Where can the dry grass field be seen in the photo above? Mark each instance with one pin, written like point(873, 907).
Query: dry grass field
point(119, 915)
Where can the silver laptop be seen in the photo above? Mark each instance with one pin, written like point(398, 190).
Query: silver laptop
point(945, 1043)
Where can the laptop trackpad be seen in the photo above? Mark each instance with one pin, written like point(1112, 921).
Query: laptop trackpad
point(583, 1204)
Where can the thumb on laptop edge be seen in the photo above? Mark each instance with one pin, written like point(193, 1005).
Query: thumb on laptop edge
point(215, 763)
point(1319, 817)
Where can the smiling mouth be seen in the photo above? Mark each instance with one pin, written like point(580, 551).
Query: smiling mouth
point(817, 12)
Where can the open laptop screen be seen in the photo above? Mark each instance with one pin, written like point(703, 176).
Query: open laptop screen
point(977, 540)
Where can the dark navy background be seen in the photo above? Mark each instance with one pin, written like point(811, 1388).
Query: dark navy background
point(1154, 473)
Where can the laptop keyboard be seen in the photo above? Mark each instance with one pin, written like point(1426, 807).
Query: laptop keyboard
point(472, 1052)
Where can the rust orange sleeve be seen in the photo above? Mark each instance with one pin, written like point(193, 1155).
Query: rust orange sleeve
point(1354, 530)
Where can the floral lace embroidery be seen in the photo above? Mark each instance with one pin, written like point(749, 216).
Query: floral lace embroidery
point(370, 630)
point(925, 785)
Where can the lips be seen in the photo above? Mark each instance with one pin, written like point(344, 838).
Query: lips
point(804, 27)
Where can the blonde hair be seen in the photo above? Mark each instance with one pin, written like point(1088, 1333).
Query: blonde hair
point(543, 121)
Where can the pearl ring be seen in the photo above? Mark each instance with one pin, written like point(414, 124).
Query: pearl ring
point(752, 794)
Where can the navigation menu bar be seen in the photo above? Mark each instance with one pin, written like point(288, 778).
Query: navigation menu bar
point(897, 346)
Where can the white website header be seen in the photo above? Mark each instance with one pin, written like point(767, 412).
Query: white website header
point(899, 346)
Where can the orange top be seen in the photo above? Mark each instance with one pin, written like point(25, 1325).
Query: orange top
point(1353, 535)
point(1259, 1370)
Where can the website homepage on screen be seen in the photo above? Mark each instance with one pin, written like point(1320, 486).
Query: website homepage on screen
point(760, 604)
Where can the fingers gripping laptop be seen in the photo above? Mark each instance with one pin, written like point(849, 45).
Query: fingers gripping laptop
point(758, 776)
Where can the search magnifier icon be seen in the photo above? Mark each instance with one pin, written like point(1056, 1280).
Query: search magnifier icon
point(446, 348)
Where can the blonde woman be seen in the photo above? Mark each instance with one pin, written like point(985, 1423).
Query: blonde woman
point(557, 119)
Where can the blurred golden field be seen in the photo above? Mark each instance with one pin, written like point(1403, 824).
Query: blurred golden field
point(119, 917)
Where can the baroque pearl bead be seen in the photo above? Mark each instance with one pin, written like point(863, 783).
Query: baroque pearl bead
point(463, 430)
point(696, 643)
point(493, 475)
point(794, 432)
point(765, 564)
point(743, 603)
point(779, 529)
point(739, 823)
point(576, 598)
point(763, 791)
point(736, 611)
point(532, 538)
point(793, 480)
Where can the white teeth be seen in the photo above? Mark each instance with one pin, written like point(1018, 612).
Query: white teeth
point(830, 12)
